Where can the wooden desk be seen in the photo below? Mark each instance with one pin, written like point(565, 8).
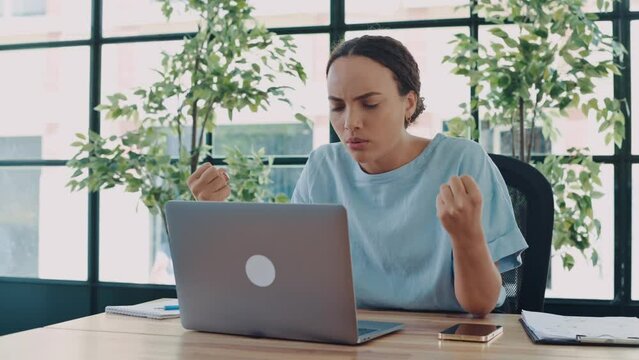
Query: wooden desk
point(107, 336)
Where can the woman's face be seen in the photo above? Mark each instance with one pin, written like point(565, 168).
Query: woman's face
point(367, 111)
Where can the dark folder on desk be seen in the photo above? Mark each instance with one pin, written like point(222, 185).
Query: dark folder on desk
point(580, 330)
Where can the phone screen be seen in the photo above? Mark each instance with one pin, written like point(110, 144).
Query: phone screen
point(471, 329)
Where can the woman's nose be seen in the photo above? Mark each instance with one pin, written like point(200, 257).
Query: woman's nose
point(353, 120)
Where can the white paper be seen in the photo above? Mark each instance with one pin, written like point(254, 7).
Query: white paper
point(152, 309)
point(550, 326)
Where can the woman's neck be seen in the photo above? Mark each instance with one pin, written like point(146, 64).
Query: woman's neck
point(403, 152)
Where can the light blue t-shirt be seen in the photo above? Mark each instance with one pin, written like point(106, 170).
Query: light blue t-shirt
point(401, 254)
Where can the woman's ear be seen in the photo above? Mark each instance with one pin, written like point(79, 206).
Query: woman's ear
point(411, 104)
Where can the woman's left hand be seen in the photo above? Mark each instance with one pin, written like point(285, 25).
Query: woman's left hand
point(459, 205)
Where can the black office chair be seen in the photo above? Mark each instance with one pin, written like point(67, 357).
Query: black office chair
point(532, 200)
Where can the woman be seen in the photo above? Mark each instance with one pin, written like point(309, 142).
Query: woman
point(418, 238)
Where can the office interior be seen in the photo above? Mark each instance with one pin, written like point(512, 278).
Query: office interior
point(66, 254)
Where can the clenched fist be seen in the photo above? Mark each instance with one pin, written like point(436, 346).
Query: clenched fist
point(209, 183)
point(459, 204)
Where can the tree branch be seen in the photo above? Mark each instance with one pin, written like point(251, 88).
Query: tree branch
point(195, 152)
point(532, 127)
point(209, 108)
point(512, 133)
point(522, 137)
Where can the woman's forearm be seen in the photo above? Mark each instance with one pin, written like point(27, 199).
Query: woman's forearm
point(477, 280)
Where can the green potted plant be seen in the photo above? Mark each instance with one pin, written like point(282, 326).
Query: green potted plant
point(229, 64)
point(528, 77)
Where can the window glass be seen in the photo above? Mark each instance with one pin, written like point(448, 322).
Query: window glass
point(634, 83)
point(576, 130)
point(133, 245)
point(126, 66)
point(285, 13)
point(145, 17)
point(277, 129)
point(635, 233)
point(586, 281)
point(591, 6)
point(45, 97)
point(28, 7)
point(25, 21)
point(363, 11)
point(634, 48)
point(43, 226)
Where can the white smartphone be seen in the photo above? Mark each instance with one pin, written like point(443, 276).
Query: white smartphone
point(471, 332)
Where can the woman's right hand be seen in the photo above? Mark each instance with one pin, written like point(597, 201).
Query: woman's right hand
point(209, 183)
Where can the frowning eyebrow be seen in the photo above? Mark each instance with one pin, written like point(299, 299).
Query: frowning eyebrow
point(363, 96)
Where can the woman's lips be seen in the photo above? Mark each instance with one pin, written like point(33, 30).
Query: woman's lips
point(356, 144)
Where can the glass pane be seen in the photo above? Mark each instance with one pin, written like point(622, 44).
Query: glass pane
point(635, 233)
point(285, 13)
point(133, 245)
point(576, 130)
point(128, 233)
point(293, 138)
point(126, 66)
point(145, 17)
point(24, 21)
point(442, 90)
point(47, 102)
point(634, 83)
point(591, 6)
point(129, 66)
point(634, 5)
point(586, 281)
point(126, 240)
point(277, 129)
point(363, 11)
point(284, 179)
point(37, 239)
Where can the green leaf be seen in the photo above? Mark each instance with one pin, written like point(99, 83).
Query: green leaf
point(541, 32)
point(594, 257)
point(511, 43)
point(304, 119)
point(568, 261)
point(498, 32)
point(210, 67)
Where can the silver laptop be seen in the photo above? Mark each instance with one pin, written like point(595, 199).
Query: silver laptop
point(266, 270)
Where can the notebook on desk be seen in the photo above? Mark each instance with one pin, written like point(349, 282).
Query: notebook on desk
point(152, 309)
point(545, 328)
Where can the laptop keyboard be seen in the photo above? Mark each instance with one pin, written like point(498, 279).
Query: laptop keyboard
point(364, 331)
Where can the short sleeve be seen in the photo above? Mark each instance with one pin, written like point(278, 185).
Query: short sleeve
point(301, 192)
point(505, 240)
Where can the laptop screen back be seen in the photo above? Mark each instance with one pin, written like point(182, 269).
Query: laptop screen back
point(267, 270)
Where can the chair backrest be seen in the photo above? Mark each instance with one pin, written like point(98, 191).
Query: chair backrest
point(532, 200)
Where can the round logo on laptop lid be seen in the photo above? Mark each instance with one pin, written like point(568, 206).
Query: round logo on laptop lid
point(260, 270)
